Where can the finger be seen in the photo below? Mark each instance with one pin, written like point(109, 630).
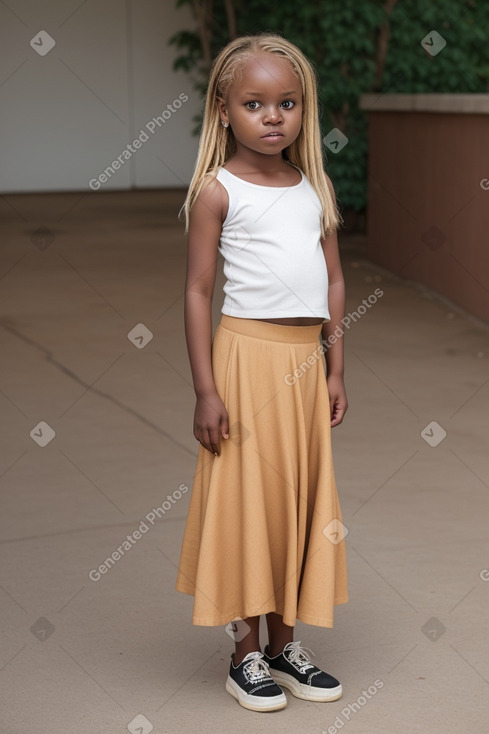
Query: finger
point(225, 426)
point(215, 441)
point(338, 417)
point(211, 445)
point(205, 440)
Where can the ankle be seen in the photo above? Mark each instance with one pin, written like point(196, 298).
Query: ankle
point(276, 649)
point(239, 656)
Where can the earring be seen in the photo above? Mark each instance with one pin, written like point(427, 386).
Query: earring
point(224, 123)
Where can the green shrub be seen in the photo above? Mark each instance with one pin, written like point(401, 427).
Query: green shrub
point(357, 46)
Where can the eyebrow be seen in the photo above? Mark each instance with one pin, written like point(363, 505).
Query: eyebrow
point(257, 94)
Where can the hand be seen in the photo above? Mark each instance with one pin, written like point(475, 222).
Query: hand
point(338, 403)
point(211, 422)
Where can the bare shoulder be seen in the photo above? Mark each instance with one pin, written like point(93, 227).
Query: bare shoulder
point(213, 197)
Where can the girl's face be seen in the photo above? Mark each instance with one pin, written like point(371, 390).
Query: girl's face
point(267, 99)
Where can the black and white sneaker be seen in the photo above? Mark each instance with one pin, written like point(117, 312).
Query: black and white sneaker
point(293, 669)
point(251, 684)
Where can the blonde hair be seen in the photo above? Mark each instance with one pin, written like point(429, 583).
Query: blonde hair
point(217, 145)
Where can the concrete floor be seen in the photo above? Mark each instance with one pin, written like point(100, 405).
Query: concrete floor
point(79, 272)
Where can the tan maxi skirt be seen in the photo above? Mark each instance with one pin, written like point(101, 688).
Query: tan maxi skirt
point(264, 529)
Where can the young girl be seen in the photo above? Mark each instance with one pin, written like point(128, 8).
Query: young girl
point(263, 534)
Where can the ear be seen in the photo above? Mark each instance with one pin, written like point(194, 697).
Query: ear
point(221, 106)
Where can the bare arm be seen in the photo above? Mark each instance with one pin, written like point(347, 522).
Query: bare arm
point(206, 217)
point(335, 350)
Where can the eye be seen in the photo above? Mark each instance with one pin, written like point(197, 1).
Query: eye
point(252, 102)
point(289, 102)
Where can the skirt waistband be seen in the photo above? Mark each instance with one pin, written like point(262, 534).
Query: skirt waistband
point(272, 332)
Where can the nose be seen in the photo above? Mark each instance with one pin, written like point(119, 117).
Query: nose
point(273, 115)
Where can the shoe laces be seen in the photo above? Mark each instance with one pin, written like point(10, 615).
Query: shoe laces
point(297, 655)
point(257, 668)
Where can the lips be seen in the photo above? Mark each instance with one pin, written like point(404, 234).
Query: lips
point(273, 135)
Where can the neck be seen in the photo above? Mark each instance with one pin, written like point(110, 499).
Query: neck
point(251, 160)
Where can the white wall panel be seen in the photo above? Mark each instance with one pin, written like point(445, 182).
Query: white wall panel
point(67, 115)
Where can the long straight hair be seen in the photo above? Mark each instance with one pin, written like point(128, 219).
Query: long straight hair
point(217, 144)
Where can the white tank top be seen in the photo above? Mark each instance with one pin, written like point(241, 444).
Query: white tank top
point(271, 244)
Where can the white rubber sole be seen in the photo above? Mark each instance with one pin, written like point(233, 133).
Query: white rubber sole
point(255, 703)
point(301, 690)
